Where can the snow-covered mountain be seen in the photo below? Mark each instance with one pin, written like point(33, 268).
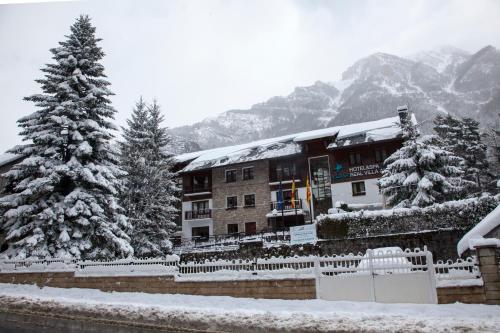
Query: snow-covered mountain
point(445, 80)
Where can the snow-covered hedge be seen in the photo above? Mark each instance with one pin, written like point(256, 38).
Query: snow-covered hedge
point(461, 214)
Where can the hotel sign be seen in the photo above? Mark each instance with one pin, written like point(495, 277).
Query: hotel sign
point(355, 171)
point(303, 234)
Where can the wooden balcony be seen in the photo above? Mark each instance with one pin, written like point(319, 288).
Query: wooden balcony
point(274, 178)
point(197, 188)
point(198, 214)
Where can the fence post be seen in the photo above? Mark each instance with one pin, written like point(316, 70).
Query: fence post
point(488, 257)
point(372, 273)
point(317, 276)
point(432, 276)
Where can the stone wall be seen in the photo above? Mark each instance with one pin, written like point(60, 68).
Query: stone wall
point(489, 265)
point(276, 289)
point(258, 186)
point(471, 295)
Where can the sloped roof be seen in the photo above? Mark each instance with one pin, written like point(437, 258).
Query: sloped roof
point(476, 234)
point(286, 145)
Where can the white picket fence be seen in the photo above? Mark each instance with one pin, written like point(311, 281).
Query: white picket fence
point(38, 265)
point(129, 267)
point(449, 273)
point(463, 272)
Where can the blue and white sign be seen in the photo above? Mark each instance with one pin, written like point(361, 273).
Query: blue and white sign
point(303, 234)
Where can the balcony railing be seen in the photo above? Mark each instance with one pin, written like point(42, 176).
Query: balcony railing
point(198, 214)
point(287, 205)
point(197, 188)
point(274, 178)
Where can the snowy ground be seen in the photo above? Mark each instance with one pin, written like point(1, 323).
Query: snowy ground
point(250, 315)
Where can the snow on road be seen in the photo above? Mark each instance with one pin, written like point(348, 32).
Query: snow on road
point(259, 315)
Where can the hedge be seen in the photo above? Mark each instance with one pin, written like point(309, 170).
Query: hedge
point(461, 214)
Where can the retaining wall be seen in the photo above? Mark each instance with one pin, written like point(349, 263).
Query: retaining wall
point(278, 289)
point(471, 295)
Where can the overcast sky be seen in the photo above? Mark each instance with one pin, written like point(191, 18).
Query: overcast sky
point(200, 58)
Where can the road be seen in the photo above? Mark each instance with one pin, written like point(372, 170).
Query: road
point(23, 323)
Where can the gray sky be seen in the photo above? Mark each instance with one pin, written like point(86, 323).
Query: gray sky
point(200, 58)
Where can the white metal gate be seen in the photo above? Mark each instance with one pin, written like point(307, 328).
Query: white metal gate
point(387, 275)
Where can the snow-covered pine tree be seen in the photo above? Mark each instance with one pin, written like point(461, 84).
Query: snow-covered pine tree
point(134, 152)
point(150, 189)
point(420, 173)
point(476, 162)
point(462, 137)
point(63, 195)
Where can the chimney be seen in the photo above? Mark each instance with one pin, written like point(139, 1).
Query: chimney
point(410, 131)
point(403, 113)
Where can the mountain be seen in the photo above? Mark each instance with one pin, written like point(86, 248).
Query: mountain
point(445, 80)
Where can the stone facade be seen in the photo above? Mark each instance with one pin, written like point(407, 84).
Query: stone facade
point(469, 295)
point(259, 186)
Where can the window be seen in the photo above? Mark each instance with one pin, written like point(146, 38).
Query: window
point(287, 195)
point(358, 188)
point(248, 173)
point(201, 233)
point(250, 228)
point(232, 228)
point(198, 183)
point(249, 200)
point(380, 155)
point(199, 206)
point(230, 176)
point(354, 158)
point(232, 202)
point(285, 171)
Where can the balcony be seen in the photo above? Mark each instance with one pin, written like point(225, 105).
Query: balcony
point(198, 214)
point(287, 205)
point(197, 188)
point(274, 178)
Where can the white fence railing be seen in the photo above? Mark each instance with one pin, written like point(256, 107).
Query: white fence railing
point(383, 262)
point(463, 272)
point(38, 265)
point(128, 267)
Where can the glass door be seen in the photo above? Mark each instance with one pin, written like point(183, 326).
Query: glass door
point(321, 188)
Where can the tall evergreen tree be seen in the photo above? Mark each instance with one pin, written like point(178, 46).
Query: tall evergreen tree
point(462, 137)
point(420, 173)
point(63, 195)
point(150, 190)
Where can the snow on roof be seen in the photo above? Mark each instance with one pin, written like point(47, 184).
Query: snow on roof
point(284, 145)
point(6, 158)
point(476, 235)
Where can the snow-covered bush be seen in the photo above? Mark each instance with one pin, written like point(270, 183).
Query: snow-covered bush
point(460, 214)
